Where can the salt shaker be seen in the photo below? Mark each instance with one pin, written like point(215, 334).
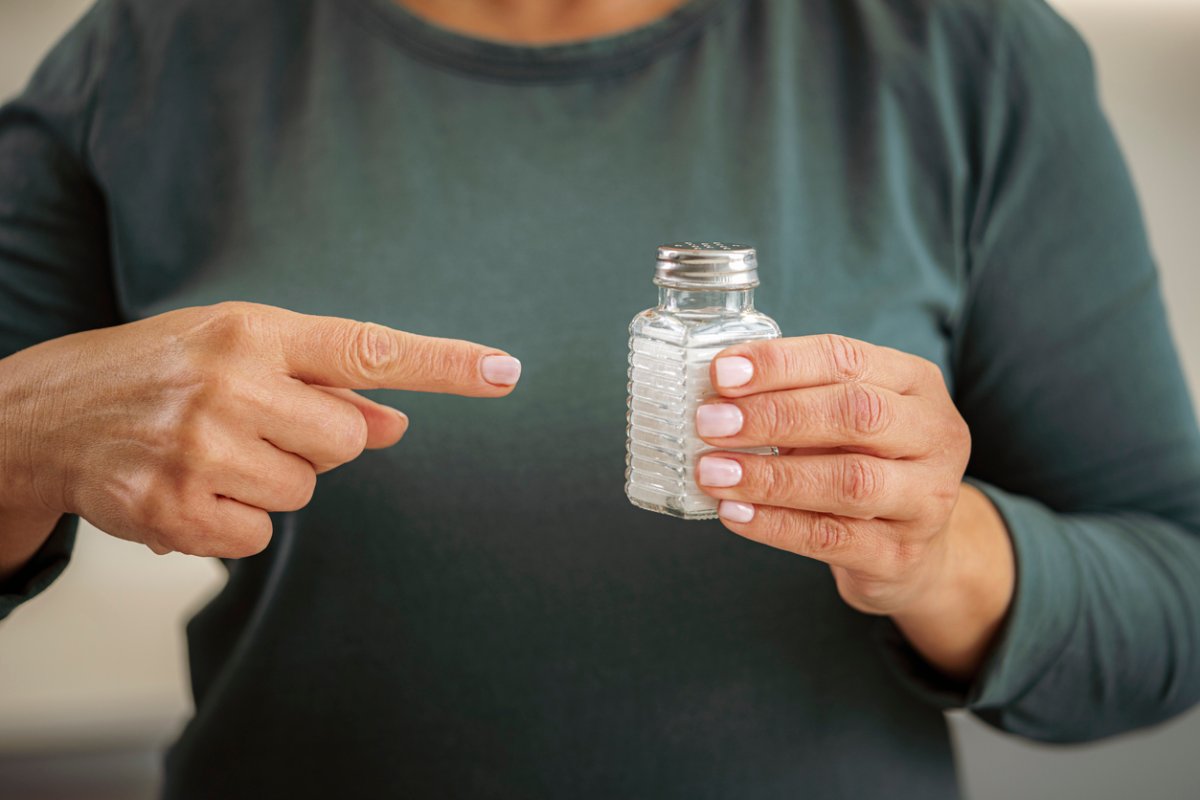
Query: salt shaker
point(705, 304)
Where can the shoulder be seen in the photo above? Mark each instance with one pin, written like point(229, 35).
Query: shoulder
point(981, 32)
point(165, 50)
point(968, 58)
point(958, 15)
point(112, 32)
point(146, 36)
point(126, 64)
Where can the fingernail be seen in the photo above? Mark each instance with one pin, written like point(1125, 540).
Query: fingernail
point(734, 511)
point(718, 419)
point(500, 370)
point(734, 371)
point(716, 471)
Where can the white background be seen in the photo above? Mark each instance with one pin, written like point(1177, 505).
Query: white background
point(97, 663)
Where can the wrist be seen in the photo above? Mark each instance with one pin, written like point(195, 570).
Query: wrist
point(26, 519)
point(954, 621)
point(24, 490)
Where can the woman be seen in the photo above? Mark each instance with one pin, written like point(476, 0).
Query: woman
point(993, 452)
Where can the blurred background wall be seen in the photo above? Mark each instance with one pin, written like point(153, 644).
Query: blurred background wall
point(93, 672)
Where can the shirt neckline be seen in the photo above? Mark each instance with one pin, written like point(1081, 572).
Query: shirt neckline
point(552, 63)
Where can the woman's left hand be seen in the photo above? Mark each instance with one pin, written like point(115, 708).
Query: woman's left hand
point(871, 458)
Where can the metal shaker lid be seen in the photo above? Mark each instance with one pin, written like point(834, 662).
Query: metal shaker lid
point(706, 265)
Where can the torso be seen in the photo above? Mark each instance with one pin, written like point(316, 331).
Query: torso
point(479, 610)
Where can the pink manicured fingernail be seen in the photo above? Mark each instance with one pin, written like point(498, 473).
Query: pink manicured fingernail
point(734, 511)
point(500, 370)
point(718, 419)
point(716, 471)
point(734, 371)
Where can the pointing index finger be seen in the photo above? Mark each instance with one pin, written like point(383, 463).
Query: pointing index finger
point(807, 361)
point(364, 355)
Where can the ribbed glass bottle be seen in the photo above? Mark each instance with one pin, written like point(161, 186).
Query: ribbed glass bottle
point(705, 304)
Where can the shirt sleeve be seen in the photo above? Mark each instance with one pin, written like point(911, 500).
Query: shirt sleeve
point(1084, 436)
point(55, 276)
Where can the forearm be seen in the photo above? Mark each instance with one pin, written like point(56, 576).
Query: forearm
point(1099, 633)
point(1102, 635)
point(955, 621)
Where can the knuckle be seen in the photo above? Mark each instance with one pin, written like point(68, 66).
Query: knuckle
point(951, 442)
point(448, 366)
point(847, 356)
point(962, 436)
point(864, 410)
point(349, 436)
point(166, 515)
point(422, 360)
point(230, 307)
point(860, 481)
point(371, 349)
point(248, 541)
point(215, 536)
point(868, 594)
point(946, 492)
point(776, 417)
point(829, 534)
point(931, 373)
point(773, 481)
point(262, 536)
point(259, 534)
point(774, 358)
point(231, 323)
point(906, 552)
point(299, 490)
point(938, 506)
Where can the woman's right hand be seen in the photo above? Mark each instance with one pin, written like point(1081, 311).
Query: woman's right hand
point(181, 431)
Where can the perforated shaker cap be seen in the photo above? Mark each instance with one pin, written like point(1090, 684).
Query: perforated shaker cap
point(706, 265)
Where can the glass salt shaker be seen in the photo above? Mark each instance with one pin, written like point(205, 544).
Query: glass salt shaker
point(705, 304)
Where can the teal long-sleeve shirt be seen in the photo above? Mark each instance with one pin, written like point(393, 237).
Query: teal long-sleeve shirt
point(478, 611)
